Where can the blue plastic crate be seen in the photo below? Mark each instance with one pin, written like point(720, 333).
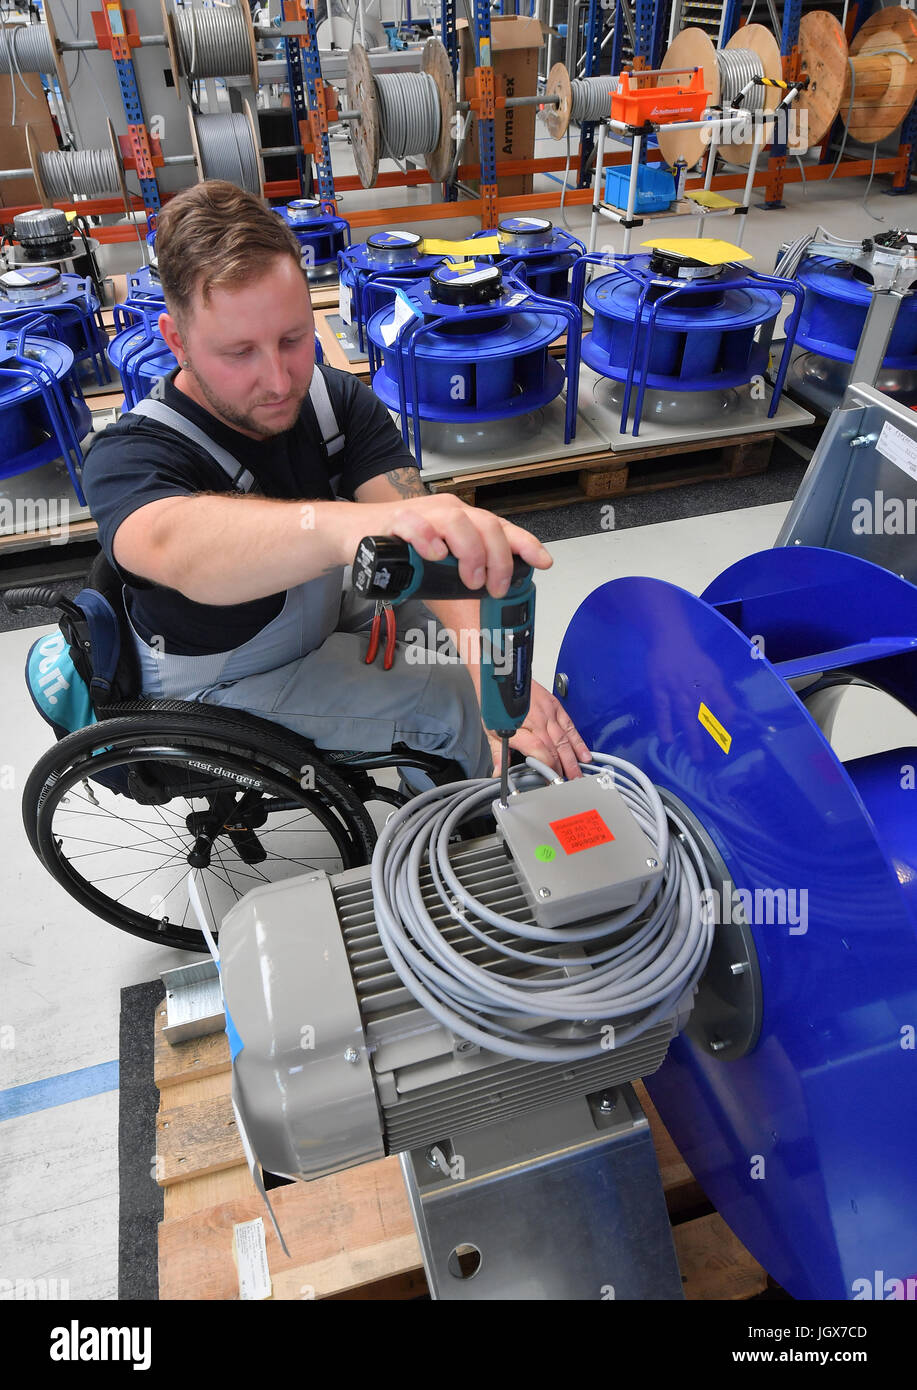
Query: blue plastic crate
point(655, 188)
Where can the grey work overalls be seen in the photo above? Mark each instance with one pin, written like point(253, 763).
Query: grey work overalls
point(305, 669)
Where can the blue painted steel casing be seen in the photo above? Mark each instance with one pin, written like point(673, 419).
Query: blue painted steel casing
point(384, 254)
point(805, 1139)
point(690, 332)
point(138, 351)
point(704, 337)
point(69, 299)
point(542, 253)
point(321, 235)
point(43, 414)
point(835, 309)
point(144, 290)
point(141, 355)
point(481, 360)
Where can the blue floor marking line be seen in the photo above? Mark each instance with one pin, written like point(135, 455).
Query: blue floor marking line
point(58, 1090)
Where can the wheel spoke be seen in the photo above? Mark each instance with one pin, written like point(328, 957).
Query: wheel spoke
point(154, 841)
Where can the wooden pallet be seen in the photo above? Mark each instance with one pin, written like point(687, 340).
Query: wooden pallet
point(599, 477)
point(350, 1235)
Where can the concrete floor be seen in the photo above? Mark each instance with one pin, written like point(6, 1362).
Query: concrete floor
point(62, 970)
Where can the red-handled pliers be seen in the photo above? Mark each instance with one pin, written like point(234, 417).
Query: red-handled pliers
point(375, 632)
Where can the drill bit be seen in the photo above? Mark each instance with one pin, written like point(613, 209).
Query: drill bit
point(504, 769)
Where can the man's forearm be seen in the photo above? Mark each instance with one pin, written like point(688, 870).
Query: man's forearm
point(225, 550)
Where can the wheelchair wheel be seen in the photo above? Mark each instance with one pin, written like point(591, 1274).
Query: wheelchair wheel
point(122, 811)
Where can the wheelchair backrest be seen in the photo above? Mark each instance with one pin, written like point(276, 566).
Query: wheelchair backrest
point(73, 674)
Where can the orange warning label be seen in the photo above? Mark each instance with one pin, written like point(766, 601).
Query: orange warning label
point(583, 831)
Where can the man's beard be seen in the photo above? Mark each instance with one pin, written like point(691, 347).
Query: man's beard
point(240, 420)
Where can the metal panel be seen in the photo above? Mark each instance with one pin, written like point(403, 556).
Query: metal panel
point(566, 1204)
point(855, 498)
point(194, 1001)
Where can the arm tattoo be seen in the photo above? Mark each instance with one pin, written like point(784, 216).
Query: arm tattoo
point(408, 482)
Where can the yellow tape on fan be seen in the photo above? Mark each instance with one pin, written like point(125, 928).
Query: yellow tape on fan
point(705, 249)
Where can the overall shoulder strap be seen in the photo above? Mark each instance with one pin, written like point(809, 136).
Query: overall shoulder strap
point(153, 409)
point(332, 437)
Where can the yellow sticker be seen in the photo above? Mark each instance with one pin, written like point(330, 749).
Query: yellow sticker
point(714, 728)
point(462, 265)
point(706, 199)
point(702, 248)
point(481, 246)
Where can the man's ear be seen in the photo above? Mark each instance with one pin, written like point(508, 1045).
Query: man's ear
point(169, 330)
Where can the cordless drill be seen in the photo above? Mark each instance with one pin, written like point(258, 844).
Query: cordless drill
point(389, 569)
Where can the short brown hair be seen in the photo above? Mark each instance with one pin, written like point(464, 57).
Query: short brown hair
point(214, 234)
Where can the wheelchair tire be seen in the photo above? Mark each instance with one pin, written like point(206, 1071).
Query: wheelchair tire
point(176, 752)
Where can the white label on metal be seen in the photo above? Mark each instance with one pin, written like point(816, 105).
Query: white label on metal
point(539, 222)
point(251, 1259)
point(911, 240)
point(475, 275)
point(514, 300)
point(344, 303)
point(404, 311)
point(899, 448)
point(886, 257)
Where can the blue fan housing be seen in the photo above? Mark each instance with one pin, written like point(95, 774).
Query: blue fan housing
point(792, 1094)
point(834, 314)
point(321, 235)
point(70, 300)
point(44, 416)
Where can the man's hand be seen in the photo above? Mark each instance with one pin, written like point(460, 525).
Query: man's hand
point(440, 525)
point(549, 734)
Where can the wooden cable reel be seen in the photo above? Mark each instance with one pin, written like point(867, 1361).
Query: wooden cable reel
point(883, 85)
point(693, 48)
point(366, 133)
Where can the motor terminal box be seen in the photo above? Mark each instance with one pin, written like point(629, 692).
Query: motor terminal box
point(578, 849)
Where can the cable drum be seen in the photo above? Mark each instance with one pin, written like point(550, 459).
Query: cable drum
point(591, 98)
point(410, 113)
point(67, 174)
point(213, 42)
point(402, 115)
point(737, 67)
point(226, 150)
point(27, 48)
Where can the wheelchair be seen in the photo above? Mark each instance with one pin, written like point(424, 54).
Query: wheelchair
point(122, 810)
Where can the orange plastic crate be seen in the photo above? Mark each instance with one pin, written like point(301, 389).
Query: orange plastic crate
point(659, 105)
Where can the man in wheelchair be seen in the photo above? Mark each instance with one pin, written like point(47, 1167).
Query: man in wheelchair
point(230, 505)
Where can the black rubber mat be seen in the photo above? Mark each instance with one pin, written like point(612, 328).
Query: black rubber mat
point(140, 1196)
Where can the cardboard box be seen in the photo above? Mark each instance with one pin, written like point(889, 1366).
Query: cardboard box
point(515, 43)
point(34, 111)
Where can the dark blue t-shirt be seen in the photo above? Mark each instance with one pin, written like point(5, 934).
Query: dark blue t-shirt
point(137, 461)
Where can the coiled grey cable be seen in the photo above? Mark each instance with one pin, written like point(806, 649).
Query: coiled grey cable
point(409, 111)
point(737, 67)
point(213, 42)
point(228, 151)
point(86, 173)
point(641, 961)
point(27, 48)
point(590, 98)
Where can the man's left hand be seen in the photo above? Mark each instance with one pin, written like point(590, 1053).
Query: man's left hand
point(548, 733)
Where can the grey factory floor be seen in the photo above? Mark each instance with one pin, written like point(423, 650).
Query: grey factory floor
point(62, 970)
